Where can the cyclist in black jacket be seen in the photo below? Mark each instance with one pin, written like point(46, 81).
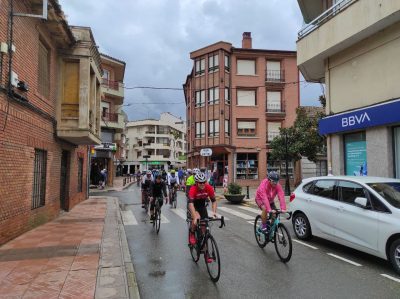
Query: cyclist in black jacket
point(158, 188)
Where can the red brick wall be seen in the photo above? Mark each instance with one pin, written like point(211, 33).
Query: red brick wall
point(27, 130)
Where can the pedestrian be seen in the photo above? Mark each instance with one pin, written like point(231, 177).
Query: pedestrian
point(104, 178)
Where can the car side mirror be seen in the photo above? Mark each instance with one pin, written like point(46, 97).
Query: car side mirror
point(361, 201)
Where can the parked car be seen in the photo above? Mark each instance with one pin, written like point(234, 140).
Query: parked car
point(359, 212)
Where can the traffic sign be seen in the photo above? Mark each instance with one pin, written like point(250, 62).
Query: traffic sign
point(206, 152)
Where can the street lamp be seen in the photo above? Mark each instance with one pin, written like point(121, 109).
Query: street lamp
point(146, 157)
point(287, 186)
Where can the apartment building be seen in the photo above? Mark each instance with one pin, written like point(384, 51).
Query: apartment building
point(236, 100)
point(49, 114)
point(162, 141)
point(110, 154)
point(353, 47)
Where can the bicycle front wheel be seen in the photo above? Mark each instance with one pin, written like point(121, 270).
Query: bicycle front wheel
point(174, 200)
point(158, 219)
point(212, 259)
point(283, 243)
point(261, 238)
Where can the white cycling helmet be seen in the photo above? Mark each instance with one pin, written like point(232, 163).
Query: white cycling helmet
point(196, 170)
point(188, 170)
point(149, 172)
point(200, 177)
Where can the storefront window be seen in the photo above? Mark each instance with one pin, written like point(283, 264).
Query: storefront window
point(247, 166)
point(355, 151)
point(397, 150)
point(279, 167)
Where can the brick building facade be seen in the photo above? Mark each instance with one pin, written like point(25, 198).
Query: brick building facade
point(45, 131)
point(236, 100)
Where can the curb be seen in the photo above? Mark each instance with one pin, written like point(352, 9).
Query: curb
point(132, 286)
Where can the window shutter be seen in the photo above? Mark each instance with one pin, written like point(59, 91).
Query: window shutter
point(246, 124)
point(246, 67)
point(274, 100)
point(246, 97)
point(43, 70)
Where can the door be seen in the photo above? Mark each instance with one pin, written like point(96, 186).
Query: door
point(356, 226)
point(322, 205)
point(64, 181)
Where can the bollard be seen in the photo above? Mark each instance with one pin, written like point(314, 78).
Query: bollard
point(248, 194)
point(124, 182)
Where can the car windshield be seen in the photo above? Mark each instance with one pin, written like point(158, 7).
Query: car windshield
point(389, 191)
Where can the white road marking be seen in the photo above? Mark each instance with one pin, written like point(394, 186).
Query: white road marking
point(305, 244)
point(250, 222)
point(344, 259)
point(255, 211)
point(128, 218)
point(391, 277)
point(236, 213)
point(164, 219)
point(180, 212)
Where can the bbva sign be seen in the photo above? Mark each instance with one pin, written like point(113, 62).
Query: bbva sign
point(353, 120)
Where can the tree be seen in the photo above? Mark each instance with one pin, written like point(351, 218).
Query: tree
point(303, 138)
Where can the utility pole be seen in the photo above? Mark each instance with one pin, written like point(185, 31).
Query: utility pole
point(287, 186)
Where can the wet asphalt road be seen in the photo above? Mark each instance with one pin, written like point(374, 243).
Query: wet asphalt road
point(164, 268)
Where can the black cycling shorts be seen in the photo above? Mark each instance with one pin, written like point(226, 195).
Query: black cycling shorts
point(202, 210)
point(160, 201)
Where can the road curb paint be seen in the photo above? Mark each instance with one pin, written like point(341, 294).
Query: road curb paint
point(345, 260)
point(391, 277)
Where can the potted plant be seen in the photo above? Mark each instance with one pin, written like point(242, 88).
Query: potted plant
point(234, 194)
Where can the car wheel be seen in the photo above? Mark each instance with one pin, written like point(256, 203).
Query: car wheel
point(301, 226)
point(394, 255)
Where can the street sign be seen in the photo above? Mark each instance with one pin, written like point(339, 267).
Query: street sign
point(206, 152)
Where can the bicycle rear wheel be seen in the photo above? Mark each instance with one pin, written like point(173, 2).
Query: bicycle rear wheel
point(261, 238)
point(283, 243)
point(214, 264)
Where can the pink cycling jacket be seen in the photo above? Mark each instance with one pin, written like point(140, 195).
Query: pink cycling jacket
point(265, 195)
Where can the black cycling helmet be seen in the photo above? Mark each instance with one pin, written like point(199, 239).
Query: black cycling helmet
point(273, 176)
point(159, 176)
point(200, 177)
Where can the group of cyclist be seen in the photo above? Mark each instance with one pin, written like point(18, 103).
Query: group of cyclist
point(199, 193)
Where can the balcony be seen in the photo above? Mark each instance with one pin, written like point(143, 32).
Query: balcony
point(275, 111)
point(338, 28)
point(271, 136)
point(112, 121)
point(274, 76)
point(114, 89)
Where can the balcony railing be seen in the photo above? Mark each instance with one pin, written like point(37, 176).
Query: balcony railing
point(275, 76)
point(275, 108)
point(110, 116)
point(324, 17)
point(111, 84)
point(271, 136)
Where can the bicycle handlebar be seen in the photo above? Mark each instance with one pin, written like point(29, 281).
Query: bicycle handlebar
point(206, 220)
point(277, 211)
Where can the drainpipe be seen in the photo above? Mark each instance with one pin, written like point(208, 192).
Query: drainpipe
point(89, 159)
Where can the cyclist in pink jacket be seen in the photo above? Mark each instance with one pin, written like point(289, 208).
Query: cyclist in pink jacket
point(265, 196)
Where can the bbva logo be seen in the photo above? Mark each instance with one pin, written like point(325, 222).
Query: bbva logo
point(355, 119)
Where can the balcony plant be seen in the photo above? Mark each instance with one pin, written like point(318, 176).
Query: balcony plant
point(234, 194)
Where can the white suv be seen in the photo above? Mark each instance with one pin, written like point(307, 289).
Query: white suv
point(359, 212)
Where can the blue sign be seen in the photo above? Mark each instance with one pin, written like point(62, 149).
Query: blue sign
point(377, 115)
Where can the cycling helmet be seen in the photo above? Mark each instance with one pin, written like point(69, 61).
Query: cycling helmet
point(159, 176)
point(195, 170)
point(148, 172)
point(200, 178)
point(173, 171)
point(273, 176)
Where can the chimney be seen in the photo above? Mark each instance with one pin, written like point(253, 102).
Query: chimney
point(246, 41)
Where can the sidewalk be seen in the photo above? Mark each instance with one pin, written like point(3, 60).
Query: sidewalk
point(117, 186)
point(81, 254)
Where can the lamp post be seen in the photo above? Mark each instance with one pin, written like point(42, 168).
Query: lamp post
point(146, 157)
point(287, 186)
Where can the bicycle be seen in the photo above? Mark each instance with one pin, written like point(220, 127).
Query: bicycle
point(206, 244)
point(277, 234)
point(157, 214)
point(146, 200)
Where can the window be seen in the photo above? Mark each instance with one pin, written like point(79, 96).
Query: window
point(274, 101)
point(377, 205)
point(200, 66)
point(227, 96)
point(246, 98)
point(213, 63)
point(80, 174)
point(213, 128)
point(306, 187)
point(350, 191)
point(396, 140)
point(227, 128)
point(227, 63)
point(274, 72)
point(273, 130)
point(389, 191)
point(106, 74)
point(200, 97)
point(44, 70)
point(246, 128)
point(39, 179)
point(279, 166)
point(200, 129)
point(355, 148)
point(324, 188)
point(247, 166)
point(246, 67)
point(213, 95)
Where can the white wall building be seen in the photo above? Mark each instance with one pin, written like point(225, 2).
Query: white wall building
point(164, 140)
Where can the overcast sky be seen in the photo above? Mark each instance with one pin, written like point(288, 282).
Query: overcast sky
point(155, 37)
